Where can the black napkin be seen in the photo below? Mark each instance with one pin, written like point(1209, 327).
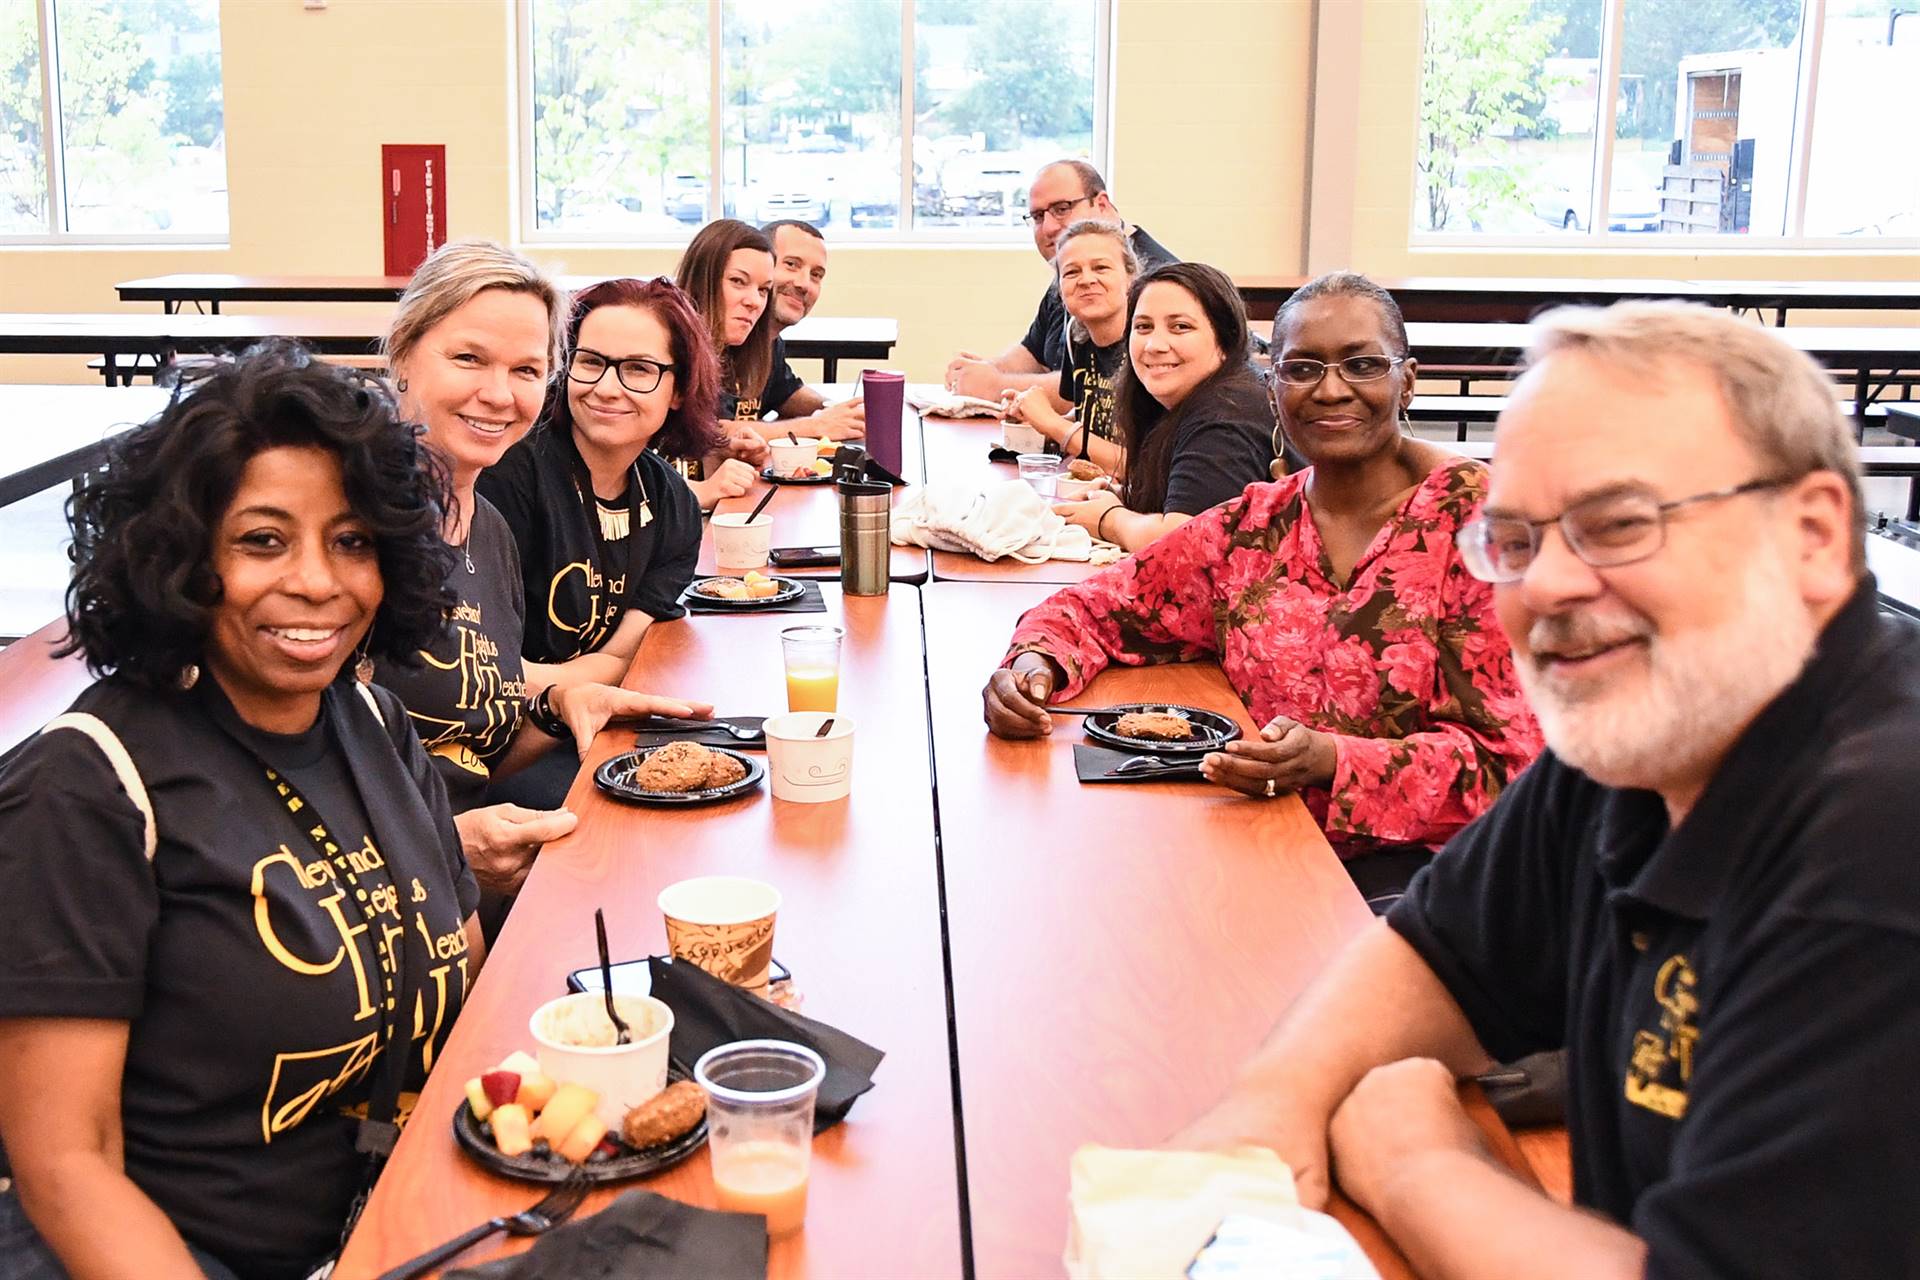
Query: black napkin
point(708, 1013)
point(640, 1234)
point(715, 737)
point(1091, 764)
point(808, 601)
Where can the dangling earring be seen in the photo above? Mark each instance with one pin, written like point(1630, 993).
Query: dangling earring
point(189, 676)
point(362, 664)
point(401, 386)
point(1277, 467)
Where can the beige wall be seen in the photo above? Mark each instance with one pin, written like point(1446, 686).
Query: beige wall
point(311, 96)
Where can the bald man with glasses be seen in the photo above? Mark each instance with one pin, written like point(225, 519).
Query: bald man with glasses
point(1063, 193)
point(1706, 891)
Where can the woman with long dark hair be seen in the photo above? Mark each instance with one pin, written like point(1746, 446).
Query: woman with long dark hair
point(727, 272)
point(237, 907)
point(1194, 421)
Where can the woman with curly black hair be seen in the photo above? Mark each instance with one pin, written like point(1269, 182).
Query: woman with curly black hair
point(237, 907)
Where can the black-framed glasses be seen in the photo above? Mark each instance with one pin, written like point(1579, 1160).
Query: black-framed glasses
point(636, 374)
point(1057, 210)
point(1307, 373)
point(1606, 531)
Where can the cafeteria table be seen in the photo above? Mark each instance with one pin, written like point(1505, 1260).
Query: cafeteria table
point(829, 339)
point(1517, 299)
point(53, 434)
point(860, 927)
point(1116, 951)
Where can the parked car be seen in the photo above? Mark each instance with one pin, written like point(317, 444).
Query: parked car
point(789, 202)
point(686, 198)
point(1629, 209)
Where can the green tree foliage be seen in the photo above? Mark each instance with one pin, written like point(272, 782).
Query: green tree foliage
point(23, 188)
point(194, 107)
point(619, 97)
point(1026, 81)
point(1480, 84)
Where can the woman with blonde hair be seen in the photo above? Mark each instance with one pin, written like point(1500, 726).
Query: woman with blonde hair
point(473, 347)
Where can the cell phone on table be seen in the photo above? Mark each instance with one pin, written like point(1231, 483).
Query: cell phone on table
point(804, 557)
point(633, 978)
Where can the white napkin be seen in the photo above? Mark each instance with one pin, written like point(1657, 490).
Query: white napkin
point(1143, 1215)
point(1007, 520)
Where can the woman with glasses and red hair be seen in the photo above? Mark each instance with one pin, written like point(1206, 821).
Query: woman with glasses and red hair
point(1335, 601)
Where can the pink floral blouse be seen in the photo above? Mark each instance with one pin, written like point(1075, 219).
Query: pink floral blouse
point(1404, 666)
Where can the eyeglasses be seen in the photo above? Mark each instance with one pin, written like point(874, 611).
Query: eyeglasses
point(1057, 210)
point(1605, 531)
point(1307, 373)
point(636, 375)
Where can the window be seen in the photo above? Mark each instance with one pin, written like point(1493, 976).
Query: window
point(1757, 119)
point(111, 124)
point(643, 119)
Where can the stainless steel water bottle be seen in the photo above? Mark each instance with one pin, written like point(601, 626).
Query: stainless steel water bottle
point(866, 513)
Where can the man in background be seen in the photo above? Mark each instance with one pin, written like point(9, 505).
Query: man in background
point(1063, 192)
point(799, 273)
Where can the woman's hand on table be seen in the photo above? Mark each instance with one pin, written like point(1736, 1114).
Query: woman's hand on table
point(1016, 697)
point(587, 707)
point(1271, 1118)
point(1397, 1115)
point(746, 444)
point(1090, 510)
point(1286, 757)
point(844, 421)
point(1034, 408)
point(500, 841)
point(728, 478)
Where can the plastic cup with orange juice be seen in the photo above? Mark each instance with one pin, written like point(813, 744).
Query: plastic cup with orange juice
point(760, 1096)
point(812, 656)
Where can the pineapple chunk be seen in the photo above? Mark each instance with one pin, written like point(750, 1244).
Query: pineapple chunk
point(536, 1091)
point(510, 1130)
point(582, 1140)
point(564, 1110)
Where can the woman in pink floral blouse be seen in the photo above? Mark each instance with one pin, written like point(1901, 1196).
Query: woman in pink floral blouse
point(1334, 600)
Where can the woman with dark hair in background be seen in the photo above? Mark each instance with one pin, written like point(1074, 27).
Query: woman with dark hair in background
point(473, 347)
point(237, 906)
point(727, 270)
point(1194, 422)
point(1335, 602)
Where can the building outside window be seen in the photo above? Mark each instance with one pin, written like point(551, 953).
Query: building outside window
point(1600, 122)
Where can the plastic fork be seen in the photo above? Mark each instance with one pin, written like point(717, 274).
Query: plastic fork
point(557, 1206)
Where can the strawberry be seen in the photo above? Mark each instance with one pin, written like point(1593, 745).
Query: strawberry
point(501, 1087)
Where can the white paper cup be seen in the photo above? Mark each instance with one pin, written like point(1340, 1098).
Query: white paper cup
point(1067, 489)
point(624, 1075)
point(740, 544)
point(805, 768)
point(724, 925)
point(789, 457)
point(1021, 438)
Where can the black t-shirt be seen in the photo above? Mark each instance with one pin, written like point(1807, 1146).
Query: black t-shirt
point(1046, 339)
point(465, 692)
point(781, 383)
point(1737, 993)
point(1223, 442)
point(243, 961)
point(578, 582)
point(1086, 383)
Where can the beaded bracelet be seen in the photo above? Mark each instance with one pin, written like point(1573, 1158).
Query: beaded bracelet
point(548, 721)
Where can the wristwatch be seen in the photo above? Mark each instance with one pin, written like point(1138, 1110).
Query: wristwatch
point(545, 718)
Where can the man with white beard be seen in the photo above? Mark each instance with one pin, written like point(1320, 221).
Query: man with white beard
point(1706, 890)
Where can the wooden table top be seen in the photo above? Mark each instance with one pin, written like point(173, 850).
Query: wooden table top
point(1118, 950)
point(50, 434)
point(957, 448)
point(860, 928)
point(808, 515)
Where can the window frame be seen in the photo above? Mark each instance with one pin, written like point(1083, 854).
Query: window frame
point(1599, 238)
point(529, 231)
point(53, 166)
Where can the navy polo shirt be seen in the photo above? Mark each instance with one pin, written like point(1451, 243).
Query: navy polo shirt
point(1740, 995)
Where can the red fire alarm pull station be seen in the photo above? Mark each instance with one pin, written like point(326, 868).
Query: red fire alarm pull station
point(413, 196)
